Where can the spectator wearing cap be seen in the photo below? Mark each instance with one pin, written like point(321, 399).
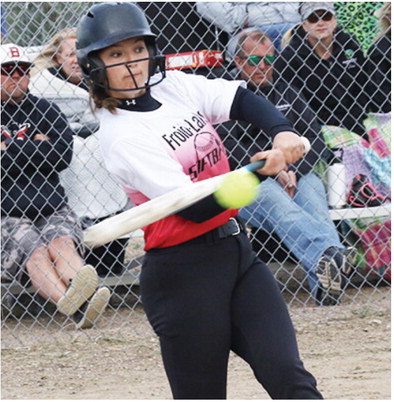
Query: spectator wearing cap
point(306, 228)
point(327, 66)
point(40, 234)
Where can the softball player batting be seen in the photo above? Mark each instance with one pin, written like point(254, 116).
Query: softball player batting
point(203, 289)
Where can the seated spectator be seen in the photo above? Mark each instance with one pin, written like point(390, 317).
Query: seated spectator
point(274, 18)
point(40, 234)
point(379, 63)
point(294, 205)
point(92, 193)
point(326, 65)
point(57, 77)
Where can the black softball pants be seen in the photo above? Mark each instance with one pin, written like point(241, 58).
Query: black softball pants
point(209, 296)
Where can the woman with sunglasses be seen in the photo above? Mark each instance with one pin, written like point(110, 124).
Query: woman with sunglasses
point(203, 289)
point(326, 64)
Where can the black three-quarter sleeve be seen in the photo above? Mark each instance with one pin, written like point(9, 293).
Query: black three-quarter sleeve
point(260, 112)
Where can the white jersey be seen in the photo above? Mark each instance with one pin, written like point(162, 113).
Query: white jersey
point(153, 152)
point(90, 189)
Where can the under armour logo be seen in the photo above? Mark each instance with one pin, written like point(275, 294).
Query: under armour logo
point(131, 102)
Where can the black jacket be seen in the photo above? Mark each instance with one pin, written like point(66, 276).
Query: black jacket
point(245, 140)
point(30, 169)
point(179, 28)
point(379, 72)
point(334, 88)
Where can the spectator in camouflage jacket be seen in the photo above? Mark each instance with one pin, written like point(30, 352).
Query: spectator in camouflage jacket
point(39, 232)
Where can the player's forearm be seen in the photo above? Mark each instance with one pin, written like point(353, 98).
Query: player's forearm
point(202, 210)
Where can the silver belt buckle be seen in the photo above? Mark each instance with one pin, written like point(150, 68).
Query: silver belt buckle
point(237, 225)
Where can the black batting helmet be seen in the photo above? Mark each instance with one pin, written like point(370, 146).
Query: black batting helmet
point(106, 24)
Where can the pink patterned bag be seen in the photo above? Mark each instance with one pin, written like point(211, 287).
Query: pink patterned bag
point(376, 242)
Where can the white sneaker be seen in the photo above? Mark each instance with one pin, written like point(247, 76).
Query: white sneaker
point(350, 257)
point(81, 288)
point(92, 309)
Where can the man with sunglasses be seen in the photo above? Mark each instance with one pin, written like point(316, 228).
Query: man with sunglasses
point(327, 65)
point(294, 206)
point(40, 234)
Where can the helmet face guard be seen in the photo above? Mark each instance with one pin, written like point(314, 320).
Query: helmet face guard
point(98, 74)
point(106, 24)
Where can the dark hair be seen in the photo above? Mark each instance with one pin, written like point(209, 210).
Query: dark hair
point(101, 99)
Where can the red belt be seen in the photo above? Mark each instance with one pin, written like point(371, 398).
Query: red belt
point(200, 58)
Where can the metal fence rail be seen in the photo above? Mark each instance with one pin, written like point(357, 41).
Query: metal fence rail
point(182, 28)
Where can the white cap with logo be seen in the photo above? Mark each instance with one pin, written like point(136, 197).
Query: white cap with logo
point(13, 54)
point(307, 8)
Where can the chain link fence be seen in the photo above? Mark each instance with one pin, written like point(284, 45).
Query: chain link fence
point(203, 38)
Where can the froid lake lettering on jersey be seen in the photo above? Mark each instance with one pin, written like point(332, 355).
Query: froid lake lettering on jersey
point(182, 133)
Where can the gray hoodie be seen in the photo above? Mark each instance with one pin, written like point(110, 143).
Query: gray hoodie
point(234, 16)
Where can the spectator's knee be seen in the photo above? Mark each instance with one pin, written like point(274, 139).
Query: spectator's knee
point(38, 259)
point(60, 245)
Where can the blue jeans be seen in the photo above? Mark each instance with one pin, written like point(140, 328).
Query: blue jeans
point(302, 223)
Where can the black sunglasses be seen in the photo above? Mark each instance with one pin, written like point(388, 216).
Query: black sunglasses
point(10, 69)
point(315, 17)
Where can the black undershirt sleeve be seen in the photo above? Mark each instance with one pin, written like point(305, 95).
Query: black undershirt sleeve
point(260, 112)
point(202, 210)
point(253, 109)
